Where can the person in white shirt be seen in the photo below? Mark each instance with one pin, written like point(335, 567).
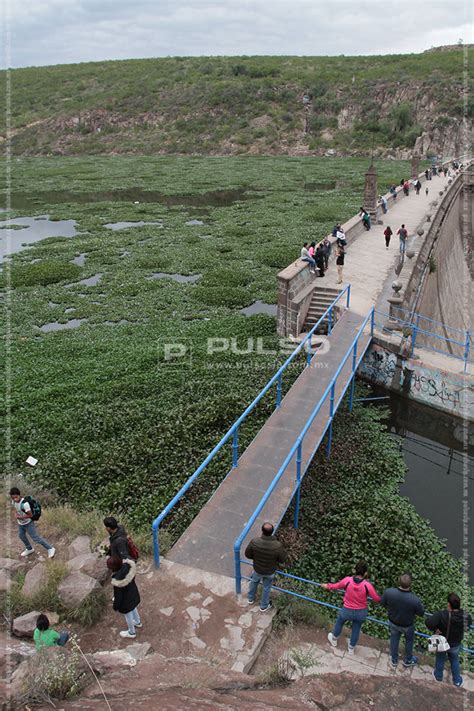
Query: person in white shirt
point(306, 257)
point(26, 525)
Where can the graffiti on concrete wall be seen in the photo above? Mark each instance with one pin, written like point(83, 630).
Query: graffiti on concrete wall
point(434, 387)
point(416, 380)
point(380, 366)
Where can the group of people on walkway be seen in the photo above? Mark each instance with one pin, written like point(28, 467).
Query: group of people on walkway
point(317, 256)
point(401, 603)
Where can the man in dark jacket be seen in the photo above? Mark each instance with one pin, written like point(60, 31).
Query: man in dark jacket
point(117, 538)
point(402, 607)
point(126, 595)
point(267, 553)
point(452, 624)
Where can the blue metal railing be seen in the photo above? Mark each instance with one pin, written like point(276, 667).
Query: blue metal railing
point(357, 356)
point(232, 432)
point(323, 603)
point(412, 320)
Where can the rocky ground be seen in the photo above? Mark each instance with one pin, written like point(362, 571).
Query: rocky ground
point(202, 647)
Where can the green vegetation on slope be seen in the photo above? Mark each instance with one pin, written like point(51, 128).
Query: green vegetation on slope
point(232, 105)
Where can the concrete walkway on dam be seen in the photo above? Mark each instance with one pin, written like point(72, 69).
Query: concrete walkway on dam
point(370, 267)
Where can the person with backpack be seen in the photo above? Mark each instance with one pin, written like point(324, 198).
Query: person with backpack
point(402, 608)
point(417, 187)
point(27, 512)
point(365, 218)
point(452, 623)
point(387, 233)
point(121, 545)
point(403, 235)
point(126, 595)
point(357, 589)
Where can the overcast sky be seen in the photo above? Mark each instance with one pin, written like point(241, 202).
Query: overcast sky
point(63, 31)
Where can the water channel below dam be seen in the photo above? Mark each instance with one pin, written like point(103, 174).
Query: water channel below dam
point(439, 453)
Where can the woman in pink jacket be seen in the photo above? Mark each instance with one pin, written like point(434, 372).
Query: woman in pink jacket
point(357, 589)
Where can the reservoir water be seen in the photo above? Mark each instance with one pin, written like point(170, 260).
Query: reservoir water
point(439, 453)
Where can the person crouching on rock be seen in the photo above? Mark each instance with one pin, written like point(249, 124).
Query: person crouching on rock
point(126, 595)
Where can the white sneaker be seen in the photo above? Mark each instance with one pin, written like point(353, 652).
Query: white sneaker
point(51, 552)
point(138, 624)
point(332, 639)
point(126, 634)
point(350, 649)
point(26, 552)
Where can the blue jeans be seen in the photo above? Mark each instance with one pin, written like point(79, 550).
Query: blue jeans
point(63, 638)
point(266, 581)
point(357, 617)
point(402, 246)
point(311, 261)
point(396, 632)
point(29, 529)
point(132, 618)
point(453, 656)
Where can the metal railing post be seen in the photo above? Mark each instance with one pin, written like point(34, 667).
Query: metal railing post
point(414, 334)
point(235, 448)
point(348, 295)
point(278, 401)
point(354, 363)
point(156, 547)
point(238, 572)
point(329, 321)
point(331, 415)
point(298, 486)
point(372, 323)
point(308, 350)
point(466, 350)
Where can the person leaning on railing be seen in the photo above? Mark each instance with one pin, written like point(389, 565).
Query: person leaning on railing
point(357, 591)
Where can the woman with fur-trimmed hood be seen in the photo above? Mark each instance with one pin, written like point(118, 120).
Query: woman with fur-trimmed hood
point(126, 595)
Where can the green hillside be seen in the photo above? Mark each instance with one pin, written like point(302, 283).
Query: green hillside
point(233, 105)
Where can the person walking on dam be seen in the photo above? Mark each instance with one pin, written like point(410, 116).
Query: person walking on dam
point(357, 589)
point(402, 608)
point(387, 233)
point(27, 512)
point(267, 553)
point(403, 235)
point(340, 254)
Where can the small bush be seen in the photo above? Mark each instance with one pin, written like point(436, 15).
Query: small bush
point(279, 674)
point(90, 611)
point(54, 674)
point(432, 264)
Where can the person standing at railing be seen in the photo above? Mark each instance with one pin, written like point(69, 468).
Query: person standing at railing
point(452, 624)
point(402, 608)
point(267, 554)
point(357, 591)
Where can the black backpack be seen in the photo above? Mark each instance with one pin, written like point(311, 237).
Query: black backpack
point(35, 507)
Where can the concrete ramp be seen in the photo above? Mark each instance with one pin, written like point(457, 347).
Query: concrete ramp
point(208, 542)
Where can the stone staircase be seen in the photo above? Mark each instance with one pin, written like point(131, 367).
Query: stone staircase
point(322, 298)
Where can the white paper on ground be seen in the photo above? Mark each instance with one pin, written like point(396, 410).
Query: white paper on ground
point(32, 461)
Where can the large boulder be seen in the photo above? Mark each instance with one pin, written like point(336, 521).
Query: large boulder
point(25, 625)
point(35, 580)
point(5, 581)
point(11, 565)
point(76, 587)
point(90, 564)
point(81, 544)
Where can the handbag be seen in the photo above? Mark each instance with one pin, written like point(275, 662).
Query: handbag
point(439, 643)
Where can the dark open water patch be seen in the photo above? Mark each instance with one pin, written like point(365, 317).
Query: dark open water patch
point(259, 307)
point(56, 326)
point(214, 198)
point(34, 230)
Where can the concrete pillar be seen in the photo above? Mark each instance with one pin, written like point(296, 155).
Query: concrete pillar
point(415, 165)
point(370, 192)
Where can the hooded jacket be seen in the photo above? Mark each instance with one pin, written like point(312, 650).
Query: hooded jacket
point(126, 595)
point(119, 544)
point(460, 621)
point(357, 590)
